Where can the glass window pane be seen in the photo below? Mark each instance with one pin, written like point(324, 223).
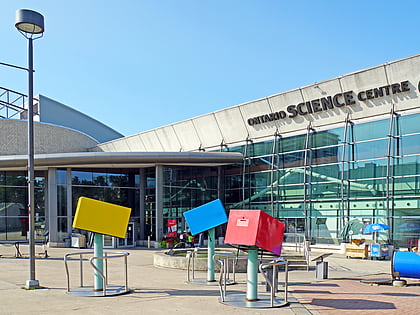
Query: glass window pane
point(61, 200)
point(327, 138)
point(81, 178)
point(16, 178)
point(292, 159)
point(326, 190)
point(406, 185)
point(292, 143)
point(410, 145)
point(61, 176)
point(260, 148)
point(291, 176)
point(370, 130)
point(261, 179)
point(371, 149)
point(407, 165)
point(367, 169)
point(325, 155)
point(409, 124)
point(368, 188)
point(99, 179)
point(326, 173)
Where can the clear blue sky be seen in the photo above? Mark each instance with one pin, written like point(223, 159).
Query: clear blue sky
point(138, 65)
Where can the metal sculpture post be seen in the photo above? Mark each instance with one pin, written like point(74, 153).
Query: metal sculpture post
point(101, 218)
point(251, 230)
point(252, 276)
point(98, 241)
point(206, 218)
point(210, 253)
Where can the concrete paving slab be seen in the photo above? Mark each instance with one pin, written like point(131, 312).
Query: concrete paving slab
point(164, 291)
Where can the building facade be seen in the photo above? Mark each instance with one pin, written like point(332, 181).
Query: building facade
point(316, 157)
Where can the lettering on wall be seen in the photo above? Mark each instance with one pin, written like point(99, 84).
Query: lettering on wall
point(330, 102)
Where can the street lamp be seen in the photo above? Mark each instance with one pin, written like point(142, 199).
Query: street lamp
point(31, 25)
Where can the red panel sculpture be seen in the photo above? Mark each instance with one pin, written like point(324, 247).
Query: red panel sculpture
point(250, 228)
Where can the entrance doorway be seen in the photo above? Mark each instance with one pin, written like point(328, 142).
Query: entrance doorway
point(116, 242)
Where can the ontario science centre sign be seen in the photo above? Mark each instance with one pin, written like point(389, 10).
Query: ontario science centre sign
point(330, 102)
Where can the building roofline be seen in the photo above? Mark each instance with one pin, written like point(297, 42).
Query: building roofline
point(121, 159)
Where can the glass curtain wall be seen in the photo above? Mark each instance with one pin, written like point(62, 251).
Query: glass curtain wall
point(186, 188)
point(117, 186)
point(317, 181)
point(14, 219)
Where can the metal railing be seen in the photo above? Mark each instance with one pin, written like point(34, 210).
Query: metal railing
point(107, 255)
point(272, 281)
point(12, 104)
point(224, 277)
point(299, 243)
point(192, 255)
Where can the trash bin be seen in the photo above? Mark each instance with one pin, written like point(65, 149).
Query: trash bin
point(321, 270)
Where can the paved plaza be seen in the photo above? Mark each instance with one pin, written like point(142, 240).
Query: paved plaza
point(165, 291)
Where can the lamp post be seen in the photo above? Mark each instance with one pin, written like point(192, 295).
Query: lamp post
point(31, 25)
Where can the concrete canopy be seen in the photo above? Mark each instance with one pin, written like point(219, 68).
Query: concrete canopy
point(121, 159)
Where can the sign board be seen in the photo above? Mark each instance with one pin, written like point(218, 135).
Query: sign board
point(172, 228)
point(101, 217)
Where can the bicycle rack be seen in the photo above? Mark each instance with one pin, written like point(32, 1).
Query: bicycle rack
point(239, 300)
point(108, 290)
point(191, 256)
point(224, 278)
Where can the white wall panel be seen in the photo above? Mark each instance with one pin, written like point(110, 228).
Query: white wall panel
point(231, 125)
point(121, 146)
point(187, 135)
point(208, 130)
point(362, 81)
point(279, 103)
point(255, 109)
point(321, 90)
point(151, 141)
point(135, 144)
point(168, 139)
point(404, 70)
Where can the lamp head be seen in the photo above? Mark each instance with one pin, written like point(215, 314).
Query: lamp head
point(29, 22)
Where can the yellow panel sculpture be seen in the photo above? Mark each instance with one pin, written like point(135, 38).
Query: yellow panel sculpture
point(101, 217)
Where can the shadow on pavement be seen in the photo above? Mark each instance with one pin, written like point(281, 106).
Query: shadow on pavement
point(353, 304)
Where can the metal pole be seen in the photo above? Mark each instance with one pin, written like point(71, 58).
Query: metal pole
point(210, 254)
point(252, 276)
point(31, 283)
point(99, 263)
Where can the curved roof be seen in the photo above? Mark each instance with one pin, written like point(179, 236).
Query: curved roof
point(121, 159)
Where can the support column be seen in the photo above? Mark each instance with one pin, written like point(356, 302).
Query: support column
point(252, 276)
point(159, 202)
point(210, 254)
point(52, 206)
point(69, 195)
point(98, 242)
point(142, 232)
point(343, 180)
point(306, 183)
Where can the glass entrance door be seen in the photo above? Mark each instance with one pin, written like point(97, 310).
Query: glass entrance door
point(116, 242)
